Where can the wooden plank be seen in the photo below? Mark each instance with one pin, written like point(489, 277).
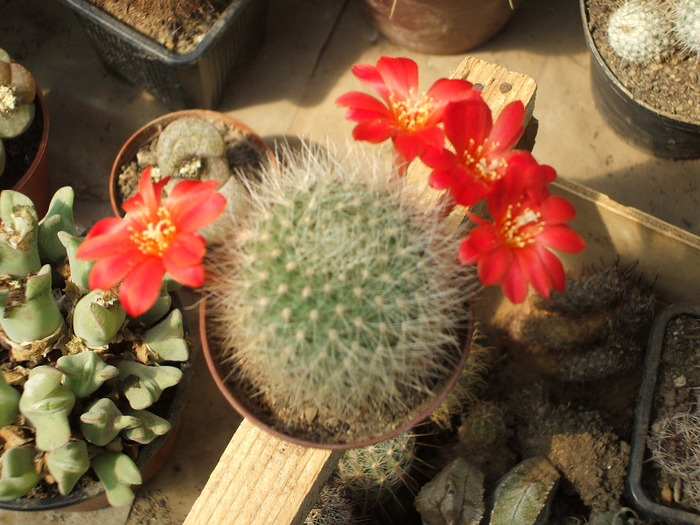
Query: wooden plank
point(262, 480)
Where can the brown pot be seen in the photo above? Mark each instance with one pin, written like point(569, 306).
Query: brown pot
point(35, 181)
point(150, 131)
point(241, 402)
point(440, 27)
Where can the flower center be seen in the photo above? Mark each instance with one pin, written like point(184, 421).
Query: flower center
point(157, 236)
point(476, 159)
point(520, 226)
point(411, 113)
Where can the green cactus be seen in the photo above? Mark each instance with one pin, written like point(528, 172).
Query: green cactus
point(150, 427)
point(9, 402)
point(19, 474)
point(59, 218)
point(46, 406)
point(19, 241)
point(17, 93)
point(117, 472)
point(686, 24)
point(97, 318)
point(67, 464)
point(143, 384)
point(103, 421)
point(640, 31)
point(344, 296)
point(166, 340)
point(372, 474)
point(32, 320)
point(85, 372)
point(332, 508)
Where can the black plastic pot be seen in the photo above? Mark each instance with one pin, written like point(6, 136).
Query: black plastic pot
point(192, 80)
point(642, 421)
point(662, 134)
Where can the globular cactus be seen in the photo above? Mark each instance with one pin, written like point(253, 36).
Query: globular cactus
point(85, 372)
point(371, 475)
point(103, 421)
point(640, 31)
point(46, 406)
point(97, 318)
point(17, 92)
point(339, 297)
point(332, 508)
point(143, 384)
point(67, 464)
point(685, 15)
point(117, 472)
point(19, 474)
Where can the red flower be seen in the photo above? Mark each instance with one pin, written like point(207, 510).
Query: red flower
point(403, 115)
point(481, 148)
point(513, 250)
point(152, 239)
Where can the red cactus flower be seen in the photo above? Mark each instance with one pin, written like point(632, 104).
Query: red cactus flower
point(481, 148)
point(410, 119)
point(152, 239)
point(514, 250)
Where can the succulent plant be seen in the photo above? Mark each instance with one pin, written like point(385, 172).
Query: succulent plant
point(17, 92)
point(640, 31)
point(686, 24)
point(83, 371)
point(341, 297)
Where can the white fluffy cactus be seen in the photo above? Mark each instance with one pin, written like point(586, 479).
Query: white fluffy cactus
point(338, 299)
point(640, 31)
point(685, 15)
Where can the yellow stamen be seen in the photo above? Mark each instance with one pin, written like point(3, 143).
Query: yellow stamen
point(156, 237)
point(411, 113)
point(475, 156)
point(519, 226)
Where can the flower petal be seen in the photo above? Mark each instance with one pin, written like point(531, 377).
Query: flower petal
point(109, 271)
point(561, 237)
point(107, 237)
point(195, 204)
point(515, 285)
point(467, 122)
point(375, 131)
point(400, 76)
point(508, 127)
point(141, 287)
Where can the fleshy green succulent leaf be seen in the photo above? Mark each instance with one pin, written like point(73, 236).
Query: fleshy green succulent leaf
point(103, 421)
point(167, 339)
point(98, 317)
point(19, 249)
point(85, 372)
point(151, 427)
point(142, 384)
point(37, 315)
point(117, 473)
point(46, 406)
point(19, 474)
point(67, 464)
point(159, 309)
point(79, 268)
point(9, 402)
point(58, 218)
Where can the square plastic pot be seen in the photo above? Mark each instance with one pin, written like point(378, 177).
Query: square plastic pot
point(192, 80)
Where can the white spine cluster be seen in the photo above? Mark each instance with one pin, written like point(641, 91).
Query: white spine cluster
point(640, 31)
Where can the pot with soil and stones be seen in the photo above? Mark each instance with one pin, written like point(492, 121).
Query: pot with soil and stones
point(24, 133)
point(644, 71)
point(90, 396)
point(193, 144)
point(444, 27)
point(182, 52)
point(663, 477)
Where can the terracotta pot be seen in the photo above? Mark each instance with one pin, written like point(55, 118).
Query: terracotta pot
point(642, 422)
point(242, 404)
point(440, 27)
point(35, 181)
point(659, 133)
point(147, 133)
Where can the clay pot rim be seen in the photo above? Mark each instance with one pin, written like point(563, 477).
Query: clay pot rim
point(215, 371)
point(150, 130)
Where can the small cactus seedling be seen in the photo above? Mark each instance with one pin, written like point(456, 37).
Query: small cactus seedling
point(19, 239)
point(85, 372)
point(332, 507)
point(9, 402)
point(143, 384)
point(150, 426)
point(59, 218)
point(340, 299)
point(67, 464)
point(640, 31)
point(19, 475)
point(17, 92)
point(97, 318)
point(166, 340)
point(371, 475)
point(103, 421)
point(117, 472)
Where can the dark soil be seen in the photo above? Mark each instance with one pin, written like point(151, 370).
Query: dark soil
point(671, 85)
point(178, 25)
point(21, 151)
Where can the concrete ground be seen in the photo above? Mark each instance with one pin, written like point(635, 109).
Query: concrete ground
point(289, 89)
